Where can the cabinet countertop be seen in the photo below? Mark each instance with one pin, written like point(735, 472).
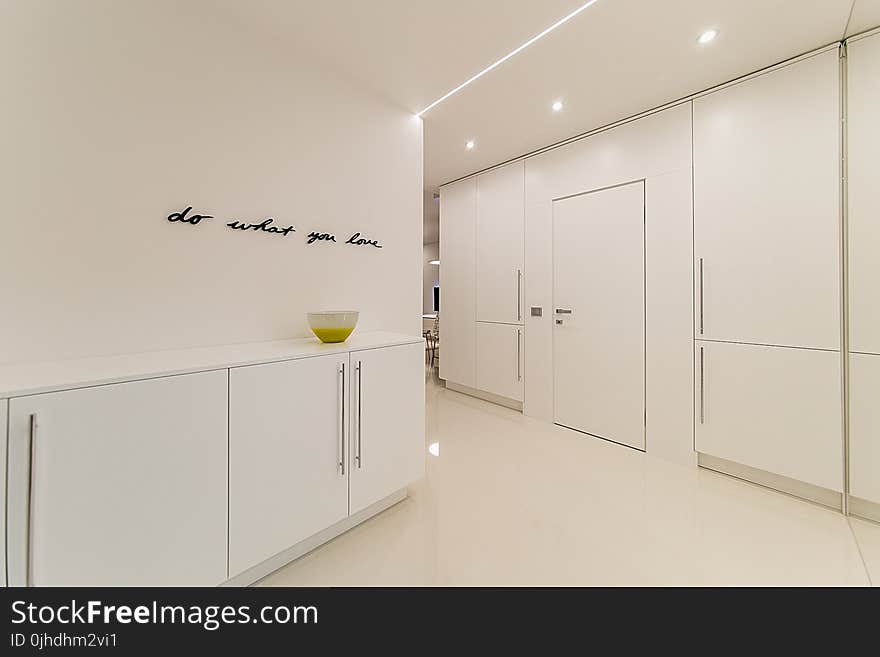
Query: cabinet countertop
point(21, 379)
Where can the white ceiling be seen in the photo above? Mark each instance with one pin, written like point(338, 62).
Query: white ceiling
point(615, 59)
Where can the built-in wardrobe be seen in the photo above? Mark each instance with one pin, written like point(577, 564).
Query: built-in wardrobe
point(760, 274)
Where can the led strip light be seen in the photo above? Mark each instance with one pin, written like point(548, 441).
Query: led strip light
point(565, 19)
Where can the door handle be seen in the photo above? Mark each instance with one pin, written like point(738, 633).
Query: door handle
point(32, 452)
point(360, 455)
point(702, 390)
point(563, 311)
point(701, 296)
point(519, 295)
point(341, 399)
point(518, 351)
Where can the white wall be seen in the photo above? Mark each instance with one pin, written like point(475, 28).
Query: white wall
point(656, 148)
point(430, 276)
point(117, 113)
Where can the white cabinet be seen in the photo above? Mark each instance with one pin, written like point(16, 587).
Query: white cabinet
point(864, 427)
point(457, 234)
point(287, 454)
point(863, 144)
point(499, 244)
point(766, 213)
point(127, 484)
point(500, 359)
point(772, 408)
point(4, 406)
point(387, 422)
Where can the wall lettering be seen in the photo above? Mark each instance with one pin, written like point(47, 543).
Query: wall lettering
point(264, 226)
point(267, 226)
point(193, 219)
point(318, 237)
point(358, 240)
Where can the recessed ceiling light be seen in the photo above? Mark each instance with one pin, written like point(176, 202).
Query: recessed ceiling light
point(707, 36)
point(470, 145)
point(540, 35)
point(433, 262)
point(434, 449)
point(557, 106)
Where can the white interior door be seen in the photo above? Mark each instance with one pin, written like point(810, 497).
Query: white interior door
point(287, 431)
point(599, 313)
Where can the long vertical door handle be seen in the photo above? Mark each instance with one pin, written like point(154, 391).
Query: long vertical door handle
point(341, 379)
point(32, 449)
point(701, 296)
point(360, 454)
point(519, 295)
point(518, 349)
point(702, 389)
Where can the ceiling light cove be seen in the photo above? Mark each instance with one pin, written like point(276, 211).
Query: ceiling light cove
point(557, 106)
point(516, 50)
point(707, 37)
point(470, 145)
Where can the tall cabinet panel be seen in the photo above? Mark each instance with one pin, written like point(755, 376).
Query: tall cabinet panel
point(863, 144)
point(863, 110)
point(499, 244)
point(766, 208)
point(120, 485)
point(287, 454)
point(457, 285)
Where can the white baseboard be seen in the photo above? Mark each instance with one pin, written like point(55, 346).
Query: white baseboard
point(809, 492)
point(270, 565)
point(864, 509)
point(486, 396)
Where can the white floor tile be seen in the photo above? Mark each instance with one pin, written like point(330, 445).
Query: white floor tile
point(510, 500)
point(868, 535)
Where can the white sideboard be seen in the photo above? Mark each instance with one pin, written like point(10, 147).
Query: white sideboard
point(205, 466)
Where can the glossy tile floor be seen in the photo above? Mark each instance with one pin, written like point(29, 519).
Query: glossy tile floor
point(512, 501)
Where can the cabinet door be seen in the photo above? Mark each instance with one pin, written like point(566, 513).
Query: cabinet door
point(128, 484)
point(457, 216)
point(287, 463)
point(772, 408)
point(500, 359)
point(499, 244)
point(864, 417)
point(388, 422)
point(766, 213)
point(863, 108)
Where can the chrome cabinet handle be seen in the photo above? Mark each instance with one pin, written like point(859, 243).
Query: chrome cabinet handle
point(518, 339)
point(519, 295)
point(360, 455)
point(32, 450)
point(702, 389)
point(701, 296)
point(341, 378)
